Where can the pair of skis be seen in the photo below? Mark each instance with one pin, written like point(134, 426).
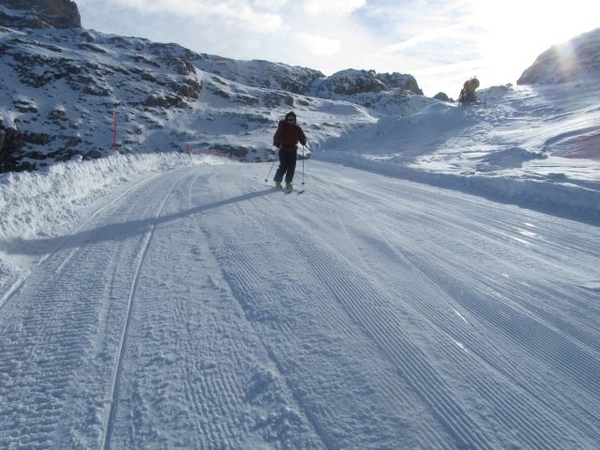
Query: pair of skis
point(290, 191)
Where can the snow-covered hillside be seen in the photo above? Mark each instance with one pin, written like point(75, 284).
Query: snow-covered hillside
point(61, 89)
point(577, 58)
point(435, 287)
point(178, 301)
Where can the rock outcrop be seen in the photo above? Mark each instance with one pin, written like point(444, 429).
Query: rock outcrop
point(562, 63)
point(353, 82)
point(39, 14)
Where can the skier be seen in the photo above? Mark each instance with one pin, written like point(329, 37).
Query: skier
point(286, 138)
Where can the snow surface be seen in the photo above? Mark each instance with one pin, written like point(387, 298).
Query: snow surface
point(437, 286)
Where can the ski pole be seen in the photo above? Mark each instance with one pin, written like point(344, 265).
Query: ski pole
point(270, 170)
point(272, 165)
point(304, 157)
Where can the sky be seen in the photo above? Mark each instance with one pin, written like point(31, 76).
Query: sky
point(440, 42)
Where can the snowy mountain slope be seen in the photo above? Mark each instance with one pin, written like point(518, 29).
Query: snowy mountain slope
point(166, 300)
point(577, 58)
point(61, 88)
point(532, 145)
point(220, 313)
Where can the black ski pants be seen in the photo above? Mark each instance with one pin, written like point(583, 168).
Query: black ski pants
point(287, 166)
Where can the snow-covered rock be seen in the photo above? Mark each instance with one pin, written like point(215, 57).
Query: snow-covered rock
point(39, 14)
point(69, 92)
point(579, 57)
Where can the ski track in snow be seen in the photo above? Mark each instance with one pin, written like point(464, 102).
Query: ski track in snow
point(217, 312)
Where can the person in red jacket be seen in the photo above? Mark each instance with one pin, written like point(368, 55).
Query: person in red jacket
point(286, 138)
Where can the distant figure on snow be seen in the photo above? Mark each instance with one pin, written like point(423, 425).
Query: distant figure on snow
point(286, 139)
point(467, 94)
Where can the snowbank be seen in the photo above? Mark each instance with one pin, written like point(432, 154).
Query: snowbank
point(47, 202)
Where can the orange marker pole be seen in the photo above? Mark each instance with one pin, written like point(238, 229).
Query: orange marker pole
point(114, 144)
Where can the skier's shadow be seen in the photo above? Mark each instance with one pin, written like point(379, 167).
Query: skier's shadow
point(114, 232)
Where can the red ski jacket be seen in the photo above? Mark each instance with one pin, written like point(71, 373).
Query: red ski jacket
point(288, 135)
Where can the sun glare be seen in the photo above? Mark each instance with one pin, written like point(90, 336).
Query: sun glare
point(515, 32)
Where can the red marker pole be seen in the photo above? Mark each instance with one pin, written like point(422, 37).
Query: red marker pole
point(114, 144)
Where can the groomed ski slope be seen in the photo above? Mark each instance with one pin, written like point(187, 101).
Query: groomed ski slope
point(202, 309)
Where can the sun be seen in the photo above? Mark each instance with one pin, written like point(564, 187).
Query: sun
point(515, 32)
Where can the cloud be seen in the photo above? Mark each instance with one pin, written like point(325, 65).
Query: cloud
point(424, 37)
point(260, 22)
point(438, 41)
point(253, 15)
point(319, 45)
point(332, 7)
point(268, 4)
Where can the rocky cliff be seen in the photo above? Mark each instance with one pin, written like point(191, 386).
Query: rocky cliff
point(39, 14)
point(63, 89)
point(565, 62)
